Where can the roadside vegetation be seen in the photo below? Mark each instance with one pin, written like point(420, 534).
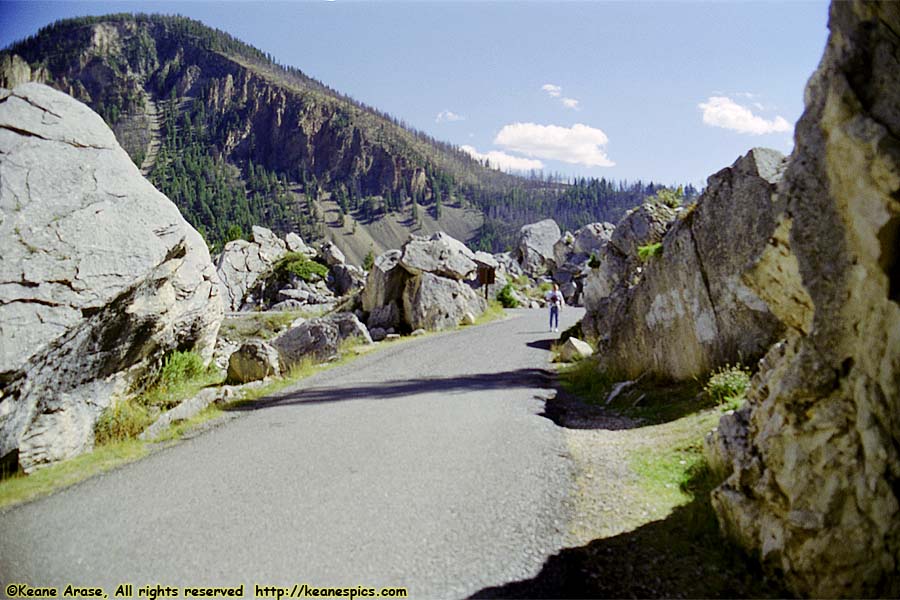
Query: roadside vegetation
point(650, 522)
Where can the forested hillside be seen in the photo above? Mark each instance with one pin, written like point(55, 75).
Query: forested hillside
point(235, 139)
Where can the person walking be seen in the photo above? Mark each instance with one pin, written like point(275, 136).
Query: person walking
point(555, 301)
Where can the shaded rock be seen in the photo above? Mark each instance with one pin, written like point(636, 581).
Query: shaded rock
point(436, 303)
point(254, 360)
point(508, 264)
point(387, 316)
point(439, 254)
point(385, 281)
point(643, 225)
point(377, 334)
point(813, 486)
point(319, 338)
point(347, 278)
point(574, 349)
point(331, 255)
point(100, 276)
point(534, 246)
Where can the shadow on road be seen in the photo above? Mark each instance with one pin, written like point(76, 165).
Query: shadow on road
point(681, 556)
point(542, 344)
point(520, 378)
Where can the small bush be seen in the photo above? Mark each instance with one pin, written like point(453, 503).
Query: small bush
point(506, 298)
point(124, 421)
point(594, 261)
point(728, 385)
point(179, 367)
point(369, 261)
point(645, 253)
point(671, 198)
point(301, 266)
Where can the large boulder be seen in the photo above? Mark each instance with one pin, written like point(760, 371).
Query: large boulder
point(100, 276)
point(254, 360)
point(433, 302)
point(439, 254)
point(689, 311)
point(242, 263)
point(534, 246)
point(331, 255)
point(813, 486)
point(345, 279)
point(385, 281)
point(319, 338)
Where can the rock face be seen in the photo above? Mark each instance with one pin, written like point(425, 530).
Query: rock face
point(254, 360)
point(434, 302)
point(319, 338)
point(100, 276)
point(571, 254)
point(814, 476)
point(683, 313)
point(243, 262)
point(535, 246)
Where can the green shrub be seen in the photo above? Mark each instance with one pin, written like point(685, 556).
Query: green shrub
point(594, 261)
point(179, 367)
point(369, 261)
point(645, 253)
point(728, 385)
point(506, 298)
point(124, 421)
point(667, 197)
point(298, 264)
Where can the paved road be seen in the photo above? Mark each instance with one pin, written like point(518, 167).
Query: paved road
point(425, 465)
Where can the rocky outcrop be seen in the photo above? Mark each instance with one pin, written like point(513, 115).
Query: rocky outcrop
point(685, 311)
point(422, 287)
point(331, 255)
point(571, 255)
point(534, 247)
point(433, 302)
point(814, 471)
point(242, 263)
point(318, 338)
point(100, 276)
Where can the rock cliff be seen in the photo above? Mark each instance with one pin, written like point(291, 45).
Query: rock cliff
point(813, 462)
point(100, 276)
point(684, 310)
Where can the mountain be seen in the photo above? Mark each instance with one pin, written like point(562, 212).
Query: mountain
point(235, 139)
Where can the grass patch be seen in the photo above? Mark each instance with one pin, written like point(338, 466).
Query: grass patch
point(263, 325)
point(494, 312)
point(646, 399)
point(22, 488)
point(647, 252)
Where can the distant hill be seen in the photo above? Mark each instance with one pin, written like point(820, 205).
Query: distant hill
point(234, 139)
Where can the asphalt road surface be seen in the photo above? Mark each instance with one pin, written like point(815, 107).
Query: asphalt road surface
point(425, 465)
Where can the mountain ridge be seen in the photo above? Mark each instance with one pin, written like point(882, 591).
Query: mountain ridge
point(236, 139)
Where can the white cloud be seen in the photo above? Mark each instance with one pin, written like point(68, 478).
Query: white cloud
point(577, 145)
point(721, 111)
point(449, 116)
point(504, 161)
point(554, 90)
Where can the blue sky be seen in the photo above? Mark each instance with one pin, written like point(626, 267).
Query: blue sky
point(668, 91)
